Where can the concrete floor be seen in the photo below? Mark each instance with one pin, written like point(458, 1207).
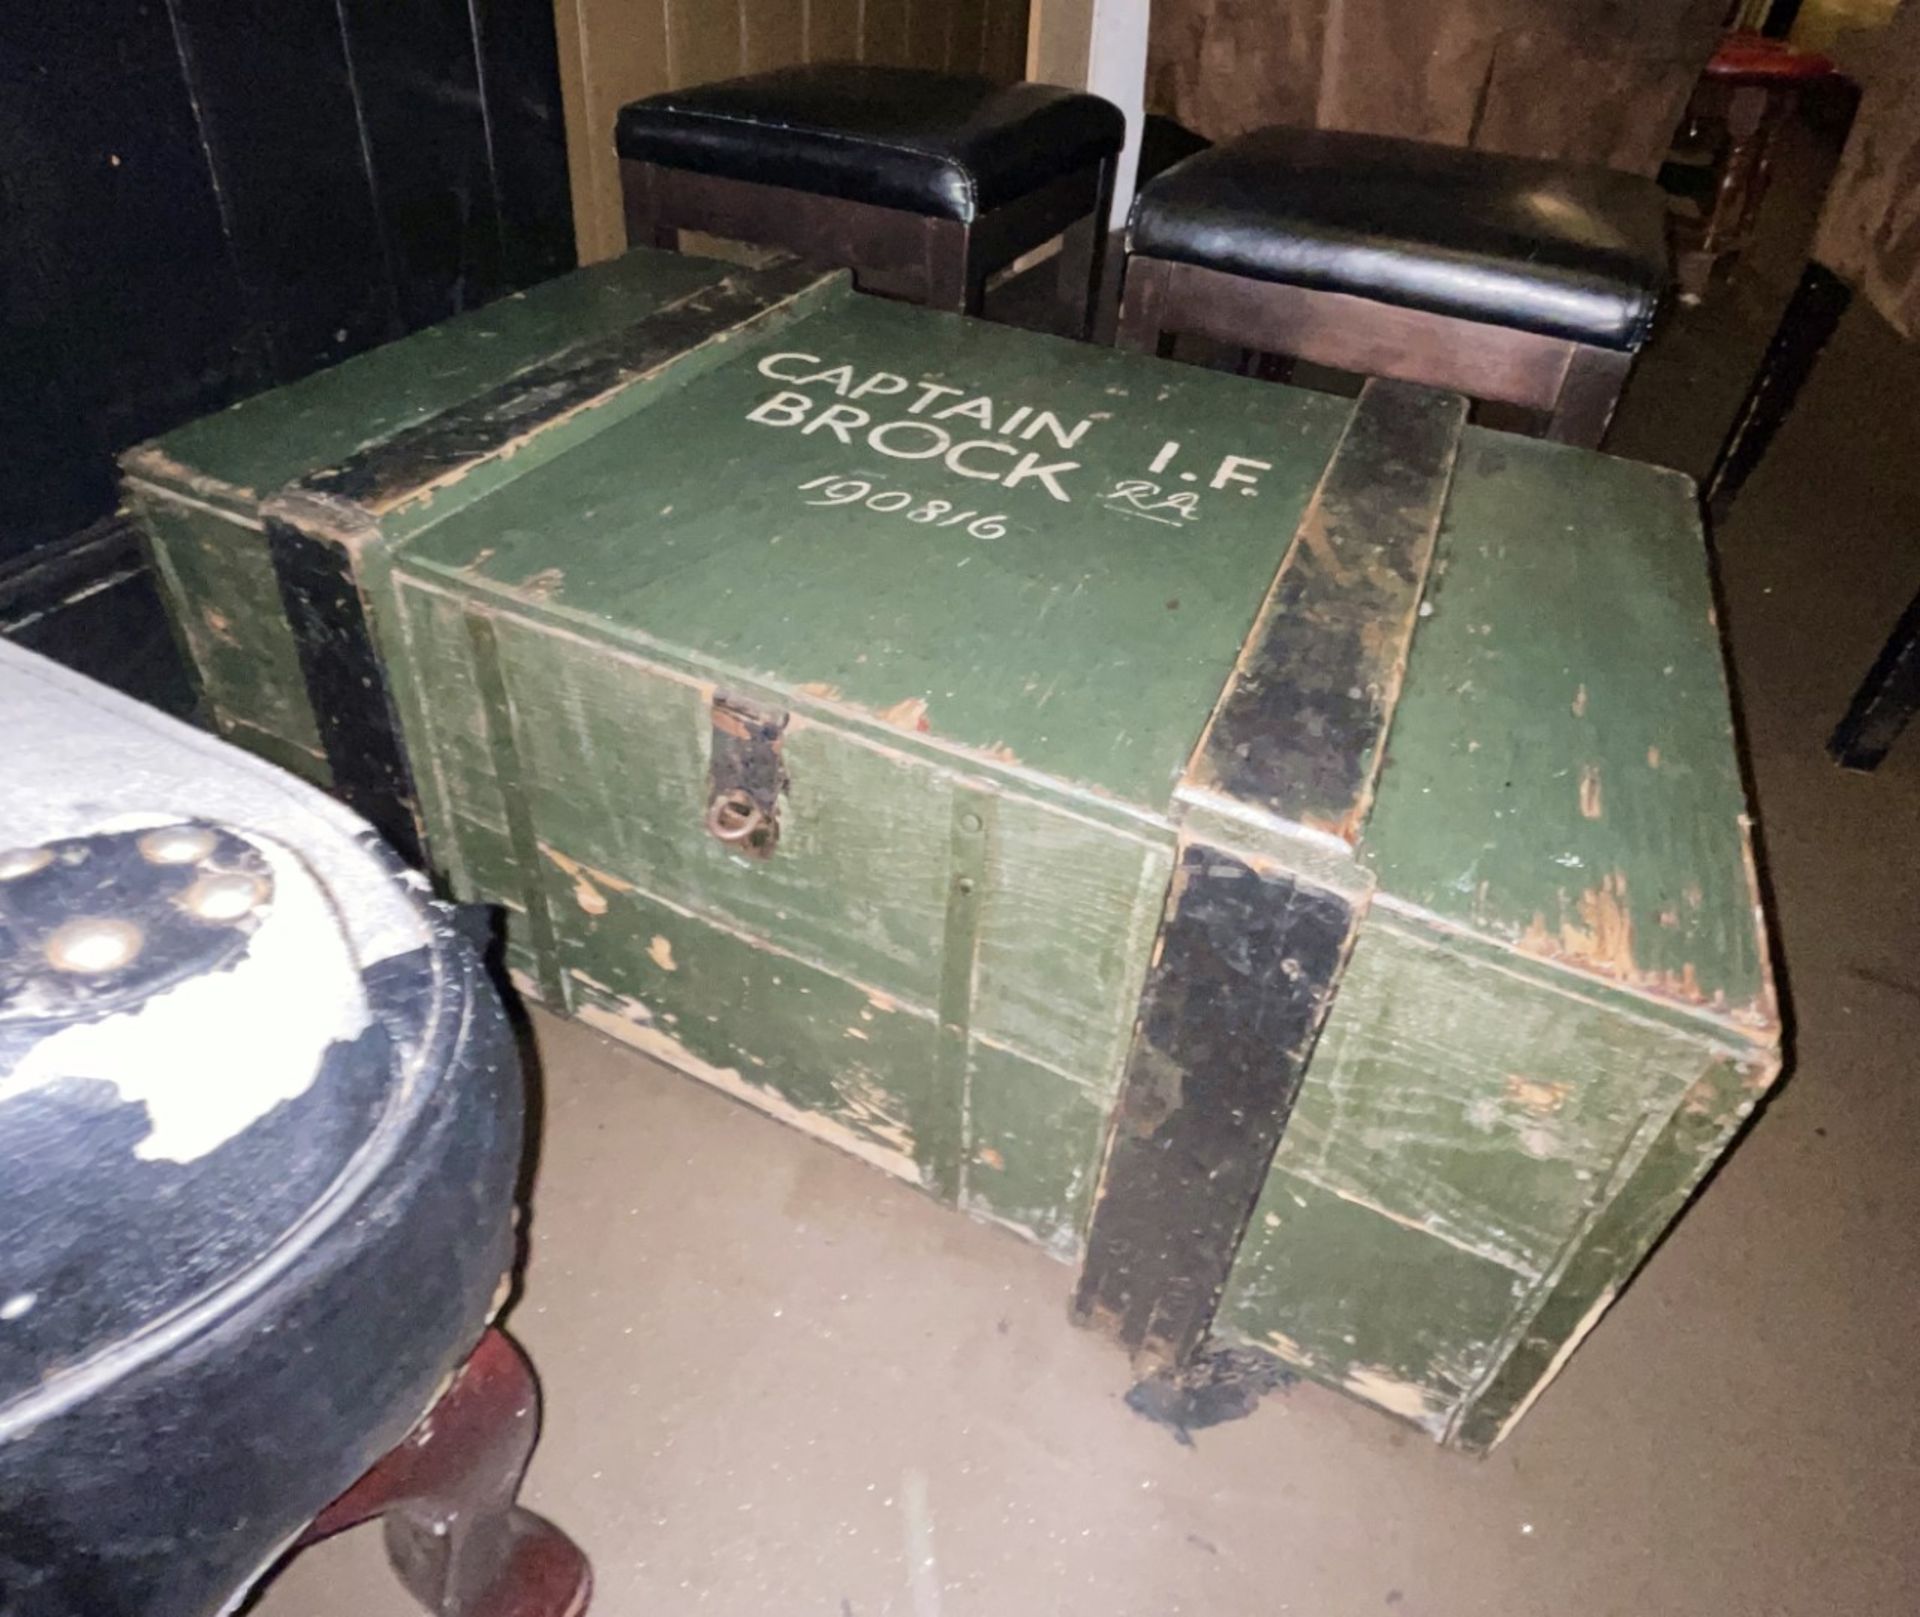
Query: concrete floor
point(778, 1383)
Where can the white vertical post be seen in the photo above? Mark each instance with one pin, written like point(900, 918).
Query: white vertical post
point(1117, 69)
point(1097, 45)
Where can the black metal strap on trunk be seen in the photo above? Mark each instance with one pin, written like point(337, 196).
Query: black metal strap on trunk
point(346, 685)
point(443, 447)
point(1250, 953)
point(1300, 729)
point(1245, 967)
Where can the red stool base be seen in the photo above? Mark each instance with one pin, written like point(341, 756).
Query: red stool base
point(1749, 58)
point(445, 1497)
point(1747, 92)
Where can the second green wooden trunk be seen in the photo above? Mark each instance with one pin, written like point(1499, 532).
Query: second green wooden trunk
point(1284, 854)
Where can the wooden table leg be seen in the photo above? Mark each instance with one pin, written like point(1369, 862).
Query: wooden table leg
point(1885, 701)
point(1811, 318)
point(1589, 394)
point(446, 1498)
point(1143, 302)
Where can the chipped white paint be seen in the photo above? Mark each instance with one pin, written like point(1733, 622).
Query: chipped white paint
point(212, 1056)
point(1063, 1245)
point(1397, 1397)
point(663, 1047)
point(660, 952)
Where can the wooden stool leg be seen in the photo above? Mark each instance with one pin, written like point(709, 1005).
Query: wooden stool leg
point(445, 1496)
point(1143, 301)
point(1754, 122)
point(1589, 392)
point(953, 280)
point(1885, 701)
point(639, 192)
point(1811, 318)
point(1266, 367)
point(1083, 256)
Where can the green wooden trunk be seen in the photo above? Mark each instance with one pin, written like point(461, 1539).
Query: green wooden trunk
point(1285, 855)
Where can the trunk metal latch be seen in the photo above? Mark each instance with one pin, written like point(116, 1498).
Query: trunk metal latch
point(745, 777)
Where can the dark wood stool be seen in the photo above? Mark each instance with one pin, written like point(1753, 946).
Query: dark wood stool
point(923, 184)
point(446, 1497)
point(1745, 97)
point(1511, 279)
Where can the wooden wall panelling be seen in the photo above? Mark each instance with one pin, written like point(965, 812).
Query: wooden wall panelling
point(1407, 67)
point(705, 41)
point(1003, 48)
point(833, 30)
point(1060, 41)
point(886, 32)
point(206, 196)
point(1238, 64)
point(611, 52)
point(966, 35)
point(927, 23)
point(1593, 80)
point(1869, 229)
point(1624, 70)
point(382, 165)
point(773, 33)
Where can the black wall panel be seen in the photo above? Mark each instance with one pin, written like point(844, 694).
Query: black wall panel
point(200, 198)
point(120, 311)
point(282, 122)
point(520, 76)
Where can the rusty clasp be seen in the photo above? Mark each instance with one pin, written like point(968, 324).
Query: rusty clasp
point(745, 777)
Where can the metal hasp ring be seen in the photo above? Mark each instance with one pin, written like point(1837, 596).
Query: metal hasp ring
point(734, 817)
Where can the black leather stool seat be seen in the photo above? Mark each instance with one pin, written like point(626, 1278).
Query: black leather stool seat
point(1554, 248)
point(947, 144)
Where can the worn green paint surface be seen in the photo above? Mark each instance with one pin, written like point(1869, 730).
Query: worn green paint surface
point(1488, 1110)
point(720, 964)
point(1034, 1141)
point(616, 765)
point(1562, 775)
point(1557, 1009)
point(1699, 1130)
point(1486, 1119)
point(771, 1029)
point(261, 444)
point(1054, 973)
point(198, 491)
point(1482, 1101)
point(1366, 1303)
point(1085, 643)
point(225, 604)
point(1560, 1008)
